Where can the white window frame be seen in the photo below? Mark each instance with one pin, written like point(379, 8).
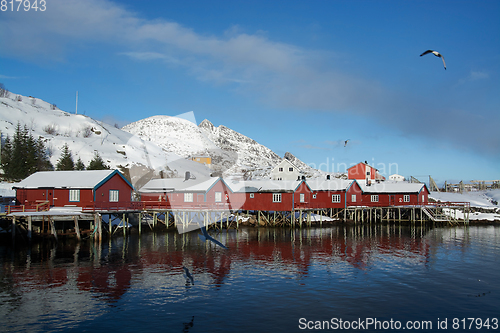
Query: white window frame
point(280, 169)
point(406, 198)
point(336, 198)
point(252, 195)
point(276, 197)
point(374, 198)
point(290, 169)
point(188, 197)
point(218, 196)
point(353, 197)
point(114, 195)
point(74, 195)
point(302, 197)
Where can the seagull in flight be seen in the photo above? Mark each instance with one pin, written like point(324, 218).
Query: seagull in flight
point(206, 236)
point(345, 143)
point(437, 54)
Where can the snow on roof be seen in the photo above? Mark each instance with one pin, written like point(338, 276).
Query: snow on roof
point(329, 185)
point(391, 187)
point(266, 185)
point(65, 179)
point(179, 185)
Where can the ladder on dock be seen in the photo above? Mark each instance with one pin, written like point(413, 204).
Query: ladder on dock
point(435, 216)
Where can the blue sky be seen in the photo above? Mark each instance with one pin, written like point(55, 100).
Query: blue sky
point(297, 76)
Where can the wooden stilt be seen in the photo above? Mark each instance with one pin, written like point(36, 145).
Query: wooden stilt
point(77, 228)
point(52, 228)
point(13, 230)
point(29, 227)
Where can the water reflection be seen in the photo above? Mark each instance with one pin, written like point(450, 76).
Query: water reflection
point(107, 269)
point(82, 276)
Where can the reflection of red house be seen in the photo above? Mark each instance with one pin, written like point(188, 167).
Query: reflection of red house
point(74, 188)
point(364, 171)
point(99, 280)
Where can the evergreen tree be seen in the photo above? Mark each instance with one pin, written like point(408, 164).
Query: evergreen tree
point(65, 162)
point(7, 158)
point(97, 163)
point(42, 157)
point(79, 164)
point(23, 155)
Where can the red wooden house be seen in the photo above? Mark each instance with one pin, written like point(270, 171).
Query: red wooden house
point(92, 188)
point(272, 195)
point(386, 194)
point(180, 193)
point(364, 171)
point(334, 193)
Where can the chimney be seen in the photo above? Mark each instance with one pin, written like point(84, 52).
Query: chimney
point(188, 176)
point(327, 177)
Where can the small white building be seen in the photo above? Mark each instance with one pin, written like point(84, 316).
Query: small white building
point(396, 177)
point(286, 170)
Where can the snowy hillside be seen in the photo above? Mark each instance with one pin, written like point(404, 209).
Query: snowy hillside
point(84, 136)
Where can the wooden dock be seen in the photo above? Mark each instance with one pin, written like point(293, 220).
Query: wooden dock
point(97, 224)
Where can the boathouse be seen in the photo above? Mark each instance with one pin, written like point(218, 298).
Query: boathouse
point(187, 193)
point(272, 195)
point(87, 189)
point(332, 193)
point(392, 193)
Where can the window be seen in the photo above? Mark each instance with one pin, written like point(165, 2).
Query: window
point(374, 197)
point(218, 196)
point(302, 197)
point(74, 195)
point(279, 178)
point(188, 197)
point(353, 198)
point(251, 195)
point(113, 195)
point(336, 198)
point(290, 169)
point(423, 198)
point(280, 169)
point(406, 198)
point(277, 197)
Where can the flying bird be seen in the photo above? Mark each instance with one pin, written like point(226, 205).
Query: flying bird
point(206, 236)
point(437, 54)
point(345, 143)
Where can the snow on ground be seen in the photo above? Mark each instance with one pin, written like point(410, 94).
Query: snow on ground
point(479, 199)
point(487, 200)
point(6, 189)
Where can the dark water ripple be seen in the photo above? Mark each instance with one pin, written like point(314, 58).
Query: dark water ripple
point(265, 282)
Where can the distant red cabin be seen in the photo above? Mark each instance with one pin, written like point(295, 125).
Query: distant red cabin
point(386, 194)
point(364, 171)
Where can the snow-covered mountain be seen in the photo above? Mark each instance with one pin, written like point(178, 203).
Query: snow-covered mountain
point(119, 149)
point(233, 154)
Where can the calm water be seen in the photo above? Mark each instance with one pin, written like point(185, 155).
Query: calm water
point(270, 280)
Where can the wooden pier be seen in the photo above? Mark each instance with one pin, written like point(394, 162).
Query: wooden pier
point(97, 224)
